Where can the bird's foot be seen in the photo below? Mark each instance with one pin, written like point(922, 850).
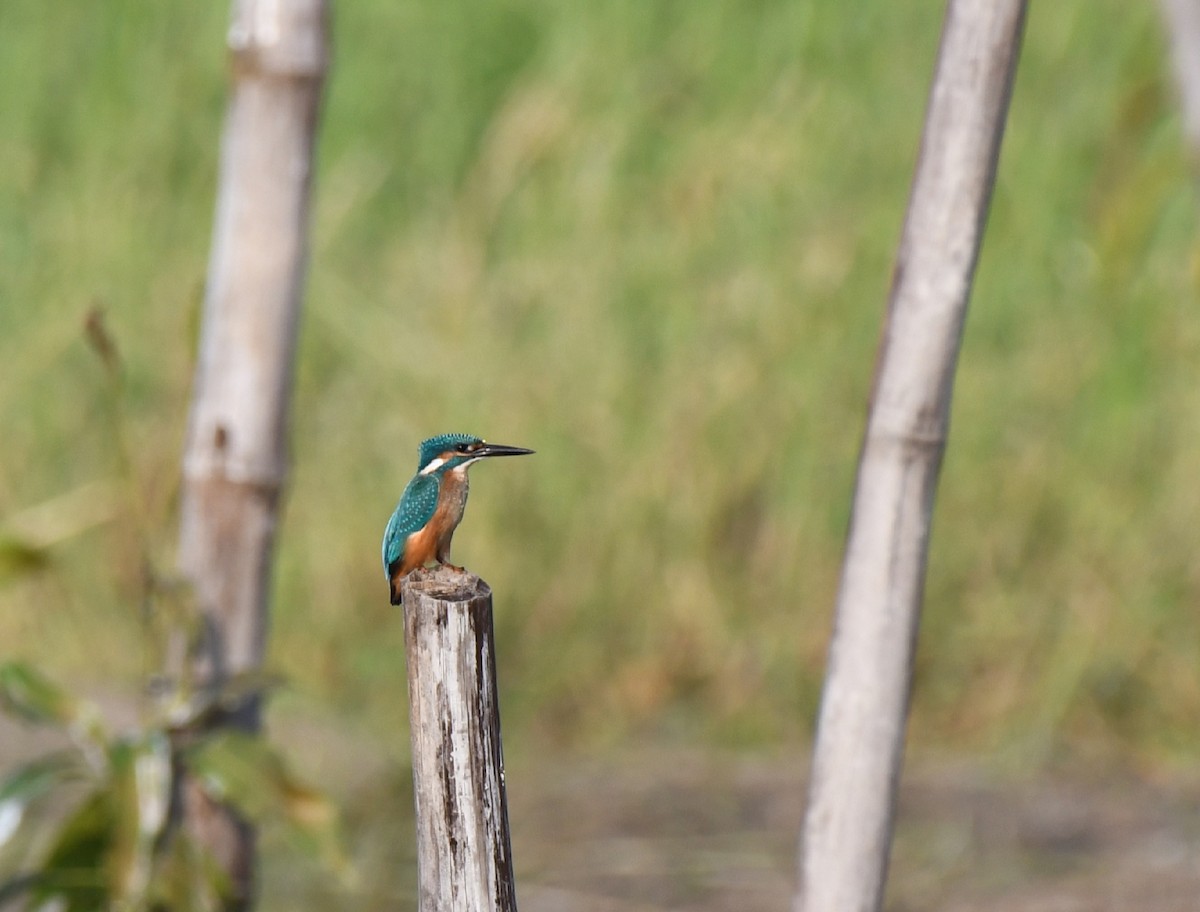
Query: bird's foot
point(450, 566)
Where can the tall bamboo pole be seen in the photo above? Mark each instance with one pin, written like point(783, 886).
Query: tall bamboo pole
point(860, 734)
point(235, 458)
point(1182, 21)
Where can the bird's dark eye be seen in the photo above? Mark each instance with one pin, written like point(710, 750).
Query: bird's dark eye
point(465, 447)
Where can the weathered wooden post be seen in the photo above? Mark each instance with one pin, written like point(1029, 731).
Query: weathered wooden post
point(864, 706)
point(464, 854)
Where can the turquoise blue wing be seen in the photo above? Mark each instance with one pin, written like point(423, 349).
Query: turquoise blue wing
point(415, 509)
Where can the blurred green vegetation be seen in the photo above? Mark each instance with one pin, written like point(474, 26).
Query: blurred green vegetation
point(651, 240)
point(111, 839)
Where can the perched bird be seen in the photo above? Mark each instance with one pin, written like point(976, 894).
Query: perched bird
point(432, 504)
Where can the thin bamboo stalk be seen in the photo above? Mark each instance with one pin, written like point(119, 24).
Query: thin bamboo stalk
point(860, 735)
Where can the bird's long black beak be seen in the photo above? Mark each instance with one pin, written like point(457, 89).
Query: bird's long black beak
point(499, 449)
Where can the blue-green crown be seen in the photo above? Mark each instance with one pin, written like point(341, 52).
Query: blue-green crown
point(432, 448)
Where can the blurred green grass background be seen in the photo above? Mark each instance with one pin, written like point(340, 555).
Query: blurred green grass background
point(651, 240)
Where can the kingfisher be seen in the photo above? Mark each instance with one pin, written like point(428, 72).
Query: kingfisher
point(432, 504)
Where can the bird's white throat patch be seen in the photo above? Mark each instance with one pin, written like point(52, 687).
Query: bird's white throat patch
point(436, 464)
point(433, 466)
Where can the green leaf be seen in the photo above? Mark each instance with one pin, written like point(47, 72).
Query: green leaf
point(27, 693)
point(248, 773)
point(28, 783)
point(73, 873)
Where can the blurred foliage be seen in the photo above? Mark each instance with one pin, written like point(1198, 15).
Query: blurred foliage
point(651, 240)
point(97, 825)
point(100, 825)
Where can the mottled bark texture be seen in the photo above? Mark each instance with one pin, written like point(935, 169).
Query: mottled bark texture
point(464, 854)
